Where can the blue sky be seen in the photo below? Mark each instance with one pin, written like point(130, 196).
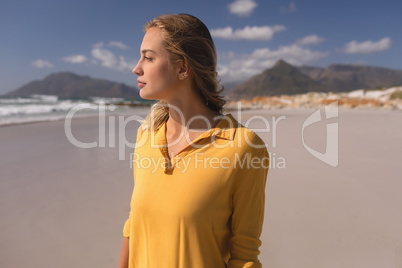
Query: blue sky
point(102, 38)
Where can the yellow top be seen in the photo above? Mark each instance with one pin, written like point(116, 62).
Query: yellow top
point(204, 208)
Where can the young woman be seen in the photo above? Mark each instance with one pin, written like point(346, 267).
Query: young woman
point(199, 175)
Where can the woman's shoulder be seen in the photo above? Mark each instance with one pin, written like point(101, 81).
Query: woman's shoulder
point(245, 140)
point(250, 151)
point(245, 133)
point(248, 140)
point(142, 129)
point(144, 126)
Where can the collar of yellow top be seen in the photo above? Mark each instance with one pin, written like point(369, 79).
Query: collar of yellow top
point(225, 129)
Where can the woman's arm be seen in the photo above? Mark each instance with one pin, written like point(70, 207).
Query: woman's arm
point(123, 262)
point(248, 212)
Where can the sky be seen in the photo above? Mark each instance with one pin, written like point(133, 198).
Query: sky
point(102, 38)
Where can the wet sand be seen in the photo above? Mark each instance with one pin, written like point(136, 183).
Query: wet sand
point(64, 206)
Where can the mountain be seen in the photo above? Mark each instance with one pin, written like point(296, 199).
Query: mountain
point(345, 77)
point(229, 86)
point(282, 78)
point(312, 71)
point(72, 86)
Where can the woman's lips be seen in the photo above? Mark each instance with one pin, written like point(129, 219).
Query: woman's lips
point(141, 84)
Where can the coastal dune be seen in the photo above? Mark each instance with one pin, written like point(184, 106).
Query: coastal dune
point(65, 206)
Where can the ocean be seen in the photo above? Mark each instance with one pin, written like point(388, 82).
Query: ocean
point(39, 108)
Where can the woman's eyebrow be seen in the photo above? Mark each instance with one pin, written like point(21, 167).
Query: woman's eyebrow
point(147, 50)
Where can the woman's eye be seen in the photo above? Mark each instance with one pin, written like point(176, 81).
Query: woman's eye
point(148, 59)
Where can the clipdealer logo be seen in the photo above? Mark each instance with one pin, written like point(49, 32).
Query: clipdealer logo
point(331, 154)
point(200, 161)
point(107, 133)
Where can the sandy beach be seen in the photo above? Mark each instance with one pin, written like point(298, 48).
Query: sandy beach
point(65, 206)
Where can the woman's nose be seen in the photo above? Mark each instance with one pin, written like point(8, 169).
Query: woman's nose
point(137, 69)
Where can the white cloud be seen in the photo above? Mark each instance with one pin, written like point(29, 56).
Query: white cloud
point(75, 59)
point(118, 45)
point(293, 54)
point(39, 63)
point(291, 8)
point(248, 33)
point(125, 65)
point(109, 60)
point(242, 67)
point(242, 8)
point(367, 47)
point(310, 39)
point(106, 57)
point(98, 45)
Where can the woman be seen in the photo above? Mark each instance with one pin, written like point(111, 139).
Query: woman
point(199, 175)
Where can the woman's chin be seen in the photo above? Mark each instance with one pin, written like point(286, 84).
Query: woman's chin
point(145, 95)
point(149, 95)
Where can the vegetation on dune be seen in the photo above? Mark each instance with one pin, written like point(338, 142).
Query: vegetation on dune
point(396, 95)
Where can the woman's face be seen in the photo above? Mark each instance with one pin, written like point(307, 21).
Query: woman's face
point(157, 79)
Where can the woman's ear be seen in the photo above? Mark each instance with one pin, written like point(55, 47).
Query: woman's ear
point(184, 70)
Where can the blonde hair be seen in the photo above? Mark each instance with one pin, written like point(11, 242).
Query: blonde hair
point(187, 38)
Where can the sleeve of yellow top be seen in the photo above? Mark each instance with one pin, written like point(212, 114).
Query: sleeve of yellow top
point(248, 210)
point(126, 228)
